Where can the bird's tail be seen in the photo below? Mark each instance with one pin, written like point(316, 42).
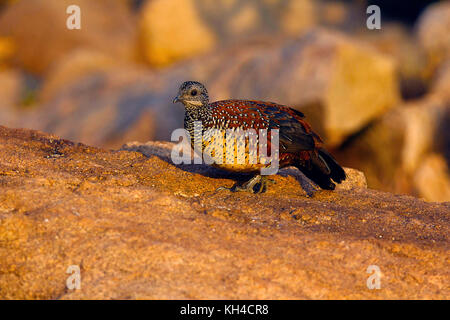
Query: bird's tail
point(322, 169)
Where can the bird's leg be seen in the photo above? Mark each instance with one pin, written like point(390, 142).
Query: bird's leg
point(247, 186)
point(262, 186)
point(259, 181)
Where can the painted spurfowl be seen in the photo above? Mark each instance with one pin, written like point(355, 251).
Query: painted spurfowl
point(298, 145)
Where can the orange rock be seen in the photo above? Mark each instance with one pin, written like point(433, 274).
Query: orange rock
point(140, 227)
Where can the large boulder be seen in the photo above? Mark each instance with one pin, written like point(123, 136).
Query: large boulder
point(38, 30)
point(393, 149)
point(139, 227)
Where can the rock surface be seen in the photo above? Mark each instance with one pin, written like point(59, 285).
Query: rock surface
point(140, 227)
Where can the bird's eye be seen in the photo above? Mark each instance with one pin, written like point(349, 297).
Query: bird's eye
point(194, 92)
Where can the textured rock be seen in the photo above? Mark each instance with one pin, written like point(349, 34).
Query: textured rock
point(140, 227)
point(355, 178)
point(432, 178)
point(106, 26)
point(171, 30)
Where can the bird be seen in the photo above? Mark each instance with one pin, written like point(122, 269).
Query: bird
point(299, 145)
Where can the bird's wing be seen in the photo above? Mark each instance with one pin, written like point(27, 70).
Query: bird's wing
point(295, 134)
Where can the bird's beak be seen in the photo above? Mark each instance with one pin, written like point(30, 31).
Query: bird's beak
point(176, 99)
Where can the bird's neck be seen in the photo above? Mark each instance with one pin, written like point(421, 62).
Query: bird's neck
point(197, 113)
point(196, 118)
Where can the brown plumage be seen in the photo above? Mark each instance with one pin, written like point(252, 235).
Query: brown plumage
point(299, 145)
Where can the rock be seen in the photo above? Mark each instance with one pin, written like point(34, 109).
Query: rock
point(71, 68)
point(432, 33)
point(11, 88)
point(23, 21)
point(333, 13)
point(294, 16)
point(399, 43)
point(441, 81)
point(355, 178)
point(171, 30)
point(141, 228)
point(392, 149)
point(107, 108)
point(7, 50)
point(432, 179)
point(344, 15)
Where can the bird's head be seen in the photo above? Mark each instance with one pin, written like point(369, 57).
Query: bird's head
point(192, 94)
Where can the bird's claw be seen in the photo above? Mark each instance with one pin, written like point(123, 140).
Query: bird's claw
point(261, 187)
point(257, 184)
point(224, 188)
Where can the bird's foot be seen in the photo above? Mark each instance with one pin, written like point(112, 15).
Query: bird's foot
point(261, 187)
point(257, 184)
